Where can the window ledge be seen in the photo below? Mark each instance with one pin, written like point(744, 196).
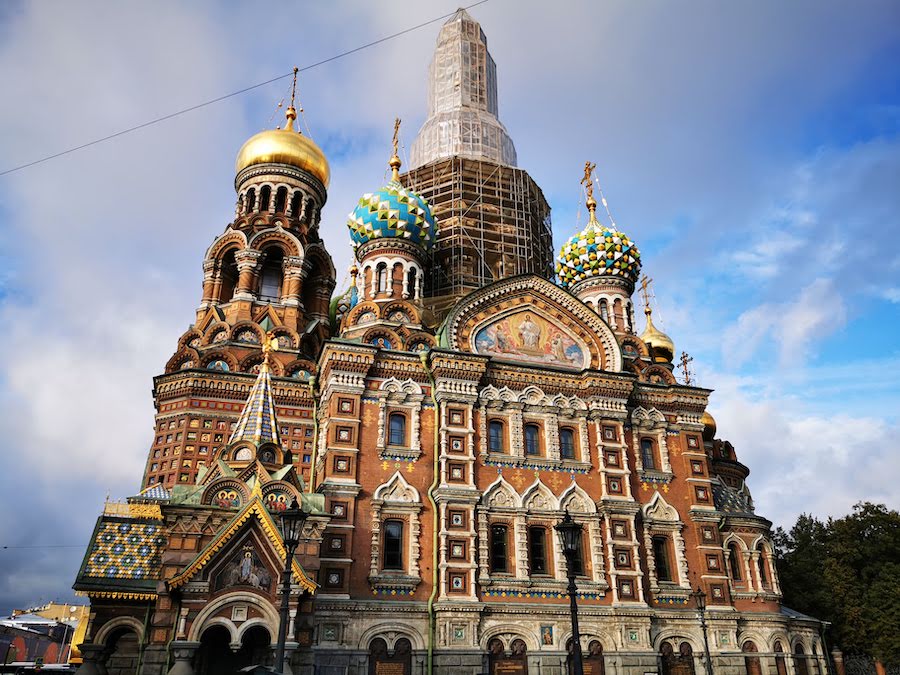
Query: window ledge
point(395, 452)
point(399, 582)
point(654, 476)
point(533, 462)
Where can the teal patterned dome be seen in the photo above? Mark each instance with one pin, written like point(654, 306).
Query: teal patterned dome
point(598, 251)
point(394, 211)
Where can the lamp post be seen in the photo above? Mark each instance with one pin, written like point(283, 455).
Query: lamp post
point(570, 536)
point(291, 524)
point(700, 598)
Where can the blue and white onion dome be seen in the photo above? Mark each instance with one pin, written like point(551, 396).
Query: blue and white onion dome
point(598, 250)
point(394, 211)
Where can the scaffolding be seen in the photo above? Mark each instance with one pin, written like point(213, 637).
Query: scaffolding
point(493, 223)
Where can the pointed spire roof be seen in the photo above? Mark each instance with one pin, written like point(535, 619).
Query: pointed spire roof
point(257, 422)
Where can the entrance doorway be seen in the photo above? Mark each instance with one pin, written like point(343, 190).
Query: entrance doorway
point(677, 663)
point(124, 652)
point(397, 661)
point(216, 658)
point(512, 662)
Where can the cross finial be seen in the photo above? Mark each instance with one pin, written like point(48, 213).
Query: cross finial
point(588, 184)
point(684, 362)
point(270, 344)
point(294, 86)
point(645, 292)
point(291, 112)
point(395, 158)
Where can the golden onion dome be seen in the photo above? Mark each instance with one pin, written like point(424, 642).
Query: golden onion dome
point(661, 345)
point(284, 146)
point(709, 426)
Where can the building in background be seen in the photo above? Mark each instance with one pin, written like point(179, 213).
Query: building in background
point(46, 633)
point(435, 445)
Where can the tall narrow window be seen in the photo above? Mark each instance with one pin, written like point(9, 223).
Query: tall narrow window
point(281, 199)
point(382, 273)
point(295, 204)
point(495, 437)
point(411, 281)
point(734, 561)
point(265, 196)
point(532, 444)
point(604, 310)
point(537, 550)
point(393, 545)
point(397, 435)
point(661, 558)
point(270, 282)
point(567, 444)
point(499, 535)
point(648, 457)
point(763, 577)
point(251, 200)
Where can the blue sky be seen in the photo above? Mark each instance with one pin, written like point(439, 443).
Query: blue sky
point(752, 150)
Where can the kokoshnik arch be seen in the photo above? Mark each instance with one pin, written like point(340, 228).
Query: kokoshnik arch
point(436, 420)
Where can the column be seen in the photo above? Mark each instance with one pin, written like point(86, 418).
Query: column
point(293, 274)
point(246, 264)
point(183, 652)
point(209, 267)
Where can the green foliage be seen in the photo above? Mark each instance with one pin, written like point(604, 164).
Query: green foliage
point(847, 572)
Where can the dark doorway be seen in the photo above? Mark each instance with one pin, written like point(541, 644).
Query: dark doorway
point(125, 652)
point(386, 662)
point(503, 662)
point(216, 658)
point(677, 663)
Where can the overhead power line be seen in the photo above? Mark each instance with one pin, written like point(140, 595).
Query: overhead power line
point(218, 99)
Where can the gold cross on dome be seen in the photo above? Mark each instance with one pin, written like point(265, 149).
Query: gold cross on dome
point(645, 289)
point(396, 140)
point(684, 361)
point(586, 180)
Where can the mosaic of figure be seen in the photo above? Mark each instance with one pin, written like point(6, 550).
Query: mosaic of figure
point(245, 569)
point(529, 337)
point(227, 499)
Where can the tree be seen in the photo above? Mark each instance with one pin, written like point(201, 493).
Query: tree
point(847, 572)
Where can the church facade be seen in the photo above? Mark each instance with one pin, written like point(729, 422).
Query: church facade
point(434, 433)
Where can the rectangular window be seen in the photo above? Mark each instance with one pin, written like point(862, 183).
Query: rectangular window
point(499, 535)
point(393, 545)
point(661, 556)
point(397, 429)
point(537, 550)
point(648, 458)
point(532, 442)
point(578, 560)
point(566, 444)
point(495, 436)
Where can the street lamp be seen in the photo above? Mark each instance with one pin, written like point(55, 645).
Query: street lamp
point(291, 525)
point(700, 597)
point(570, 536)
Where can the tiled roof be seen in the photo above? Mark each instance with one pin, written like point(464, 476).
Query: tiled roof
point(123, 554)
point(257, 423)
point(728, 500)
point(154, 492)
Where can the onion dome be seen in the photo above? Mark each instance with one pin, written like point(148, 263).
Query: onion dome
point(661, 346)
point(284, 146)
point(598, 251)
point(393, 212)
point(709, 426)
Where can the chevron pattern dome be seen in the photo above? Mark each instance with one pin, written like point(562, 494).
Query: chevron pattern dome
point(393, 211)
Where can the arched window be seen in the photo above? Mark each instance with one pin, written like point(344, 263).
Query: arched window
point(537, 550)
point(648, 456)
point(411, 279)
point(604, 310)
point(280, 199)
point(567, 443)
point(495, 437)
point(271, 276)
point(240, 204)
point(780, 665)
point(628, 317)
point(734, 561)
point(382, 275)
point(251, 200)
point(265, 196)
point(532, 440)
point(499, 537)
point(228, 272)
point(751, 659)
point(393, 545)
point(661, 558)
point(295, 203)
point(594, 657)
point(397, 435)
point(763, 576)
point(800, 667)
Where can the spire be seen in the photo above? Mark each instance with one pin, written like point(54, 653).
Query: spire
point(462, 99)
point(291, 112)
point(257, 422)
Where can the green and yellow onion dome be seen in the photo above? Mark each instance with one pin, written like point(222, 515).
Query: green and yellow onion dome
point(394, 211)
point(598, 251)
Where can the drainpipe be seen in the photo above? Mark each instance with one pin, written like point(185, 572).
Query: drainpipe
point(315, 438)
point(434, 519)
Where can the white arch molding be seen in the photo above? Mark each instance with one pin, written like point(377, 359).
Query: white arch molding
point(110, 627)
point(390, 632)
point(207, 617)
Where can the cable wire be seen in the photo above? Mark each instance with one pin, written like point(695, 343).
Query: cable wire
point(218, 99)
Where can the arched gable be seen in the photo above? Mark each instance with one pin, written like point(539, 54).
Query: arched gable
point(528, 319)
point(576, 500)
point(538, 497)
point(500, 494)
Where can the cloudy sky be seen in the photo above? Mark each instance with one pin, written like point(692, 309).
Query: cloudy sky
point(751, 149)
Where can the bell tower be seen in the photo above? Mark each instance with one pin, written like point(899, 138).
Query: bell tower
point(267, 277)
